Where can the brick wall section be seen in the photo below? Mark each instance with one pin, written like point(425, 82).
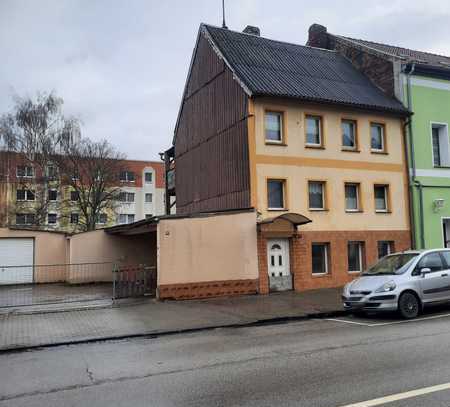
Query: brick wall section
point(338, 266)
point(207, 289)
point(378, 69)
point(263, 286)
point(301, 261)
point(376, 66)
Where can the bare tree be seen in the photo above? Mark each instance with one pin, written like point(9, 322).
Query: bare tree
point(92, 169)
point(40, 136)
point(32, 134)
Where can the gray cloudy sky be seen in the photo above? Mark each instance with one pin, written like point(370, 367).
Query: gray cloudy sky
point(121, 65)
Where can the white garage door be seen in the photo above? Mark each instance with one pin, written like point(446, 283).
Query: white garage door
point(18, 253)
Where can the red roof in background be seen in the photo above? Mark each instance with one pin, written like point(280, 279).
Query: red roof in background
point(138, 166)
point(129, 165)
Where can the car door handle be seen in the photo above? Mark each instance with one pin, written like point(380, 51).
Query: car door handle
point(444, 275)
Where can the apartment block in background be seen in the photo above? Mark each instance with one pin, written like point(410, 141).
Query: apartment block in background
point(142, 196)
point(307, 140)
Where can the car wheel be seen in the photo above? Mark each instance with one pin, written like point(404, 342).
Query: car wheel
point(408, 306)
point(359, 313)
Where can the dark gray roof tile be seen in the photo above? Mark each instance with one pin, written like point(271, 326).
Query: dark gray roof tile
point(281, 69)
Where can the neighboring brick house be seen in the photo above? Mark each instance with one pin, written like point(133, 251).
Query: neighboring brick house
point(141, 183)
point(304, 138)
point(421, 80)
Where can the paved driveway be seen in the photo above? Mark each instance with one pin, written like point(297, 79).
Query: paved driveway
point(32, 294)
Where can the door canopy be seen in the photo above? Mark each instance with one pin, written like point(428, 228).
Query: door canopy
point(284, 225)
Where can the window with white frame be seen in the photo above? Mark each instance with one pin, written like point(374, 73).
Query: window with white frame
point(148, 198)
point(377, 135)
point(319, 254)
point(355, 256)
point(440, 144)
point(316, 192)
point(275, 194)
point(352, 197)
point(127, 176)
point(124, 218)
point(349, 141)
point(52, 218)
point(381, 198)
point(25, 218)
point(52, 195)
point(74, 196)
point(25, 195)
point(25, 171)
point(273, 122)
point(385, 247)
point(52, 172)
point(148, 177)
point(74, 218)
point(127, 197)
point(314, 131)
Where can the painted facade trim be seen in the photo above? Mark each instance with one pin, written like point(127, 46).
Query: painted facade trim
point(438, 173)
point(430, 83)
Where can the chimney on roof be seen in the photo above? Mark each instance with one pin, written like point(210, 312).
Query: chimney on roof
point(317, 36)
point(251, 29)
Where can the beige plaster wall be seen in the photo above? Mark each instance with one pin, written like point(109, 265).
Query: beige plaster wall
point(294, 116)
point(214, 248)
point(297, 165)
point(99, 247)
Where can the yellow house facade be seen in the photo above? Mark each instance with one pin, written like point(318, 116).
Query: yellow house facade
point(342, 169)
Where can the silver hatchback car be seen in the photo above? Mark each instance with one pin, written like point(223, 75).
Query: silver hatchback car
point(404, 282)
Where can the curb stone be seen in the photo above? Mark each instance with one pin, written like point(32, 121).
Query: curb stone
point(156, 334)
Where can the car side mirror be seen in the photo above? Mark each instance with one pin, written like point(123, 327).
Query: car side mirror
point(424, 270)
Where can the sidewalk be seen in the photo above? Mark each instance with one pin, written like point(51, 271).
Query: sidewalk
point(21, 330)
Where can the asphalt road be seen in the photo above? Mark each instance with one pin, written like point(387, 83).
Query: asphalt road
point(310, 363)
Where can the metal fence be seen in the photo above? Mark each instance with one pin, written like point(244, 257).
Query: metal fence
point(134, 281)
point(60, 283)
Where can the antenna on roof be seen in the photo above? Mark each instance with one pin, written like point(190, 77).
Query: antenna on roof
point(223, 15)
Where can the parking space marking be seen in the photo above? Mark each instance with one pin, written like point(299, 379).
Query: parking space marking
point(375, 324)
point(348, 322)
point(401, 396)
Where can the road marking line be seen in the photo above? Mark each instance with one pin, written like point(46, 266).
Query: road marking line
point(387, 323)
point(412, 320)
point(348, 322)
point(401, 396)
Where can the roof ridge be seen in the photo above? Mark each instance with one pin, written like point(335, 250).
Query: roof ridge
point(269, 39)
point(392, 46)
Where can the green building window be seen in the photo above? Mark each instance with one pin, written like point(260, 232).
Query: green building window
point(440, 143)
point(436, 148)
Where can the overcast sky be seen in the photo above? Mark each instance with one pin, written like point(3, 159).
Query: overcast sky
point(120, 66)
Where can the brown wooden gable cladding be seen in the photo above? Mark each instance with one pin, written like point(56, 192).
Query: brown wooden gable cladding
point(211, 141)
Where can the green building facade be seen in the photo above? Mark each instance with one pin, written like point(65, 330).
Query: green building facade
point(429, 158)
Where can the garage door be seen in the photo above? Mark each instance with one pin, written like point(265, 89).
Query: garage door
point(16, 260)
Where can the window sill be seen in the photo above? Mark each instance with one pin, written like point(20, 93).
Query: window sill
point(277, 209)
point(442, 167)
point(383, 212)
point(319, 275)
point(354, 272)
point(275, 143)
point(354, 211)
point(317, 147)
point(350, 150)
point(318, 209)
point(382, 152)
